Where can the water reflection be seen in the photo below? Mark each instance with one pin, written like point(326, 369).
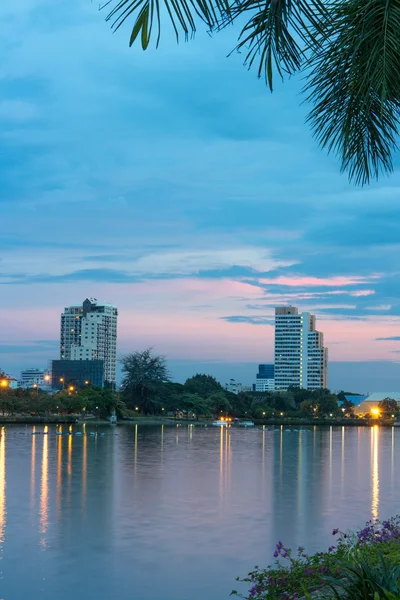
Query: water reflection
point(3, 509)
point(44, 488)
point(59, 475)
point(84, 471)
point(135, 451)
point(375, 471)
point(33, 466)
point(224, 461)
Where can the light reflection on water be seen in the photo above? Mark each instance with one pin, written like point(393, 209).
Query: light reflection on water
point(176, 513)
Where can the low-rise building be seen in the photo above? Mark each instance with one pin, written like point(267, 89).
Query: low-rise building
point(31, 377)
point(234, 387)
point(371, 403)
point(265, 378)
point(77, 372)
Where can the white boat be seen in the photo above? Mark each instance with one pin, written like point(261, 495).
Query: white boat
point(246, 424)
point(220, 423)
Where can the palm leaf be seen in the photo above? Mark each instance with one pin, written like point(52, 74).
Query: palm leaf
point(354, 85)
point(279, 33)
point(181, 13)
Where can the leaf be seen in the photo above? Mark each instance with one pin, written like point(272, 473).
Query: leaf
point(181, 13)
point(354, 84)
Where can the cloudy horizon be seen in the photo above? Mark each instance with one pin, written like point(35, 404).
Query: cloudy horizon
point(172, 184)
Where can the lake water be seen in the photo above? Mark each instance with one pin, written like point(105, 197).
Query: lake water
point(176, 513)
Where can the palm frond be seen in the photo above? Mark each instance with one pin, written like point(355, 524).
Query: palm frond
point(354, 85)
point(279, 33)
point(181, 13)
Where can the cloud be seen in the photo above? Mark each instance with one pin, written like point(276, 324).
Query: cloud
point(394, 338)
point(169, 194)
point(300, 281)
point(258, 320)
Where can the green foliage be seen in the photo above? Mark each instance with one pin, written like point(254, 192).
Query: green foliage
point(143, 377)
point(204, 385)
point(362, 565)
point(349, 51)
point(360, 580)
point(388, 407)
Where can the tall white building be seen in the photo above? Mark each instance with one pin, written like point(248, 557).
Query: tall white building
point(300, 357)
point(89, 332)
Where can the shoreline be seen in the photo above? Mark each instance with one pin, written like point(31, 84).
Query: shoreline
point(156, 421)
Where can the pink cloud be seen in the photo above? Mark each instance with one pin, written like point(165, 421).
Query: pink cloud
point(294, 281)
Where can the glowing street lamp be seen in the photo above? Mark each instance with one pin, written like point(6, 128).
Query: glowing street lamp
point(375, 412)
point(4, 383)
point(71, 388)
point(86, 382)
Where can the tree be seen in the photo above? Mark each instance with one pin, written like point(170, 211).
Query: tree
point(204, 385)
point(349, 52)
point(388, 407)
point(143, 377)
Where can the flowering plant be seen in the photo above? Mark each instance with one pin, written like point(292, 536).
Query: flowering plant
point(295, 574)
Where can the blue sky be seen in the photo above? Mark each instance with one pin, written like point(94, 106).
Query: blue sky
point(173, 184)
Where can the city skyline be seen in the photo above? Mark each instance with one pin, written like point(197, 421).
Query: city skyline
point(192, 198)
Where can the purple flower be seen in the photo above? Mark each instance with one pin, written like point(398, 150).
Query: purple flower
point(300, 550)
point(331, 548)
point(276, 554)
point(335, 531)
point(253, 591)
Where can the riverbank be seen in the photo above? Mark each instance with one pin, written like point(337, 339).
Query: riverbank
point(172, 422)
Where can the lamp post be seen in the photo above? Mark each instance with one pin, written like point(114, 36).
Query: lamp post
point(36, 388)
point(62, 380)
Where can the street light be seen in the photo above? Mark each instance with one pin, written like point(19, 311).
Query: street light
point(4, 383)
point(86, 382)
point(264, 414)
point(71, 388)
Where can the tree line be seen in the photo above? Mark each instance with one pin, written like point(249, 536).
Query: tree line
point(147, 389)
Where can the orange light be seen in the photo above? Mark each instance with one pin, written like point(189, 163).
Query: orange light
point(71, 388)
point(222, 419)
point(4, 383)
point(47, 377)
point(61, 379)
point(86, 382)
point(375, 412)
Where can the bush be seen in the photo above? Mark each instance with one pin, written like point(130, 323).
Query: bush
point(374, 549)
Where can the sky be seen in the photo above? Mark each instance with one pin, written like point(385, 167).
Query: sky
point(173, 184)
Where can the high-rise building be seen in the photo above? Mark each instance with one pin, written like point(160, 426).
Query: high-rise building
point(89, 332)
point(265, 379)
point(301, 360)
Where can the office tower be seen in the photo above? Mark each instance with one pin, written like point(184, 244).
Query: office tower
point(89, 332)
point(301, 360)
point(265, 379)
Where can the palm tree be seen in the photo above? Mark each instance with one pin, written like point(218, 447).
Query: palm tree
point(348, 51)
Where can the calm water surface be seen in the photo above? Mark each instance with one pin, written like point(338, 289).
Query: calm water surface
point(176, 513)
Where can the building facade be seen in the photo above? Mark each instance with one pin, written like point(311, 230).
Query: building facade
point(234, 387)
point(76, 372)
point(31, 377)
point(265, 378)
point(301, 360)
point(89, 332)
